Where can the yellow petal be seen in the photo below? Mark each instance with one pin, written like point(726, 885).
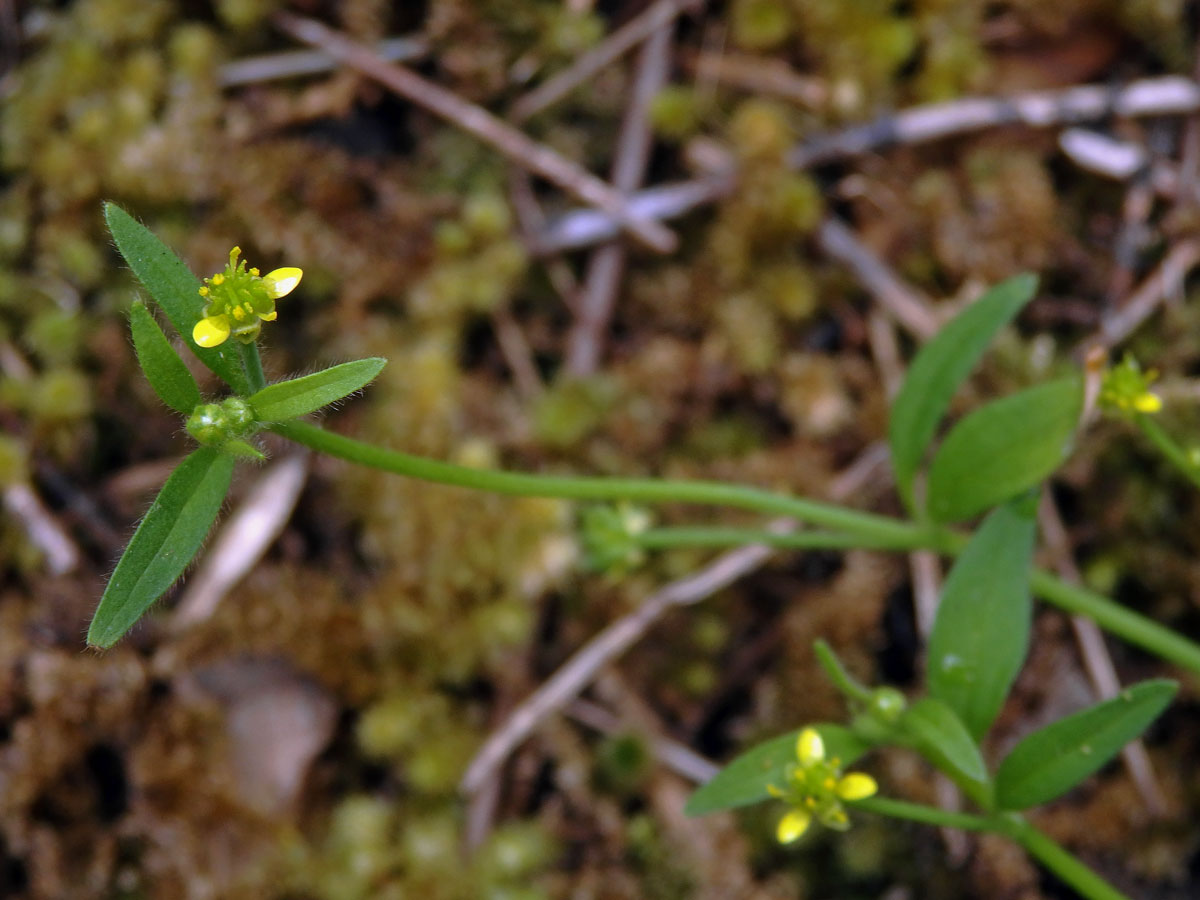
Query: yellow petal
point(283, 281)
point(211, 331)
point(856, 786)
point(792, 826)
point(809, 747)
point(1147, 403)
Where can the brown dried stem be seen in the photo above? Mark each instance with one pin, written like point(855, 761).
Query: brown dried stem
point(512, 143)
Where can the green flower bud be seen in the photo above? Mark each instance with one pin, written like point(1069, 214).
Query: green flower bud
point(208, 425)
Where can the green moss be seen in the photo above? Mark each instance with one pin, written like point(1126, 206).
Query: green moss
point(760, 24)
point(14, 461)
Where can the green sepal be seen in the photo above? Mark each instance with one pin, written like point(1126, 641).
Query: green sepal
point(940, 367)
point(1052, 760)
point(745, 779)
point(243, 450)
point(166, 540)
point(1003, 448)
point(297, 397)
point(981, 632)
point(160, 363)
point(174, 288)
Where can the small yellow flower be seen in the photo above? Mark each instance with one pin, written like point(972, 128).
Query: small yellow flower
point(1125, 389)
point(815, 788)
point(239, 300)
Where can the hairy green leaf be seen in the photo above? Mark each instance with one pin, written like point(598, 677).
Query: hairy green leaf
point(301, 396)
point(160, 363)
point(981, 632)
point(174, 288)
point(1003, 448)
point(940, 367)
point(1054, 759)
point(745, 779)
point(164, 543)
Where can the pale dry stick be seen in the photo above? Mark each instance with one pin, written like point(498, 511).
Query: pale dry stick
point(511, 142)
point(1096, 659)
point(616, 45)
point(517, 353)
point(1111, 157)
point(1168, 95)
point(295, 63)
point(531, 221)
point(679, 758)
point(758, 76)
point(242, 540)
point(566, 683)
point(607, 263)
point(1165, 280)
point(908, 306)
point(59, 551)
point(574, 675)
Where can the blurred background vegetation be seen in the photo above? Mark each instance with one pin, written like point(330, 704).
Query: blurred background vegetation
point(305, 738)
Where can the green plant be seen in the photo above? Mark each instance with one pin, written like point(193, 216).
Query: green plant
point(992, 460)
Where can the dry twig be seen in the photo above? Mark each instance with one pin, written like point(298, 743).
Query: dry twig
point(294, 63)
point(1141, 304)
point(607, 263)
point(1097, 661)
point(1169, 95)
point(511, 142)
point(906, 304)
point(620, 42)
point(40, 528)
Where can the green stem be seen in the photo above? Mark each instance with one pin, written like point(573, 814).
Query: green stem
point(253, 366)
point(1063, 864)
point(870, 529)
point(668, 538)
point(1175, 454)
point(1116, 619)
point(868, 526)
point(1037, 844)
point(850, 686)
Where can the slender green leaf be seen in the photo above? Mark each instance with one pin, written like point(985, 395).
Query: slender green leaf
point(745, 779)
point(1054, 759)
point(981, 632)
point(164, 543)
point(939, 369)
point(174, 288)
point(301, 396)
point(932, 728)
point(160, 363)
point(1003, 448)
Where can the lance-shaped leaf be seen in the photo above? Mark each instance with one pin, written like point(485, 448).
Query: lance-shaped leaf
point(1003, 448)
point(1054, 759)
point(160, 363)
point(745, 779)
point(940, 367)
point(932, 728)
point(301, 396)
point(981, 633)
point(174, 288)
point(164, 543)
